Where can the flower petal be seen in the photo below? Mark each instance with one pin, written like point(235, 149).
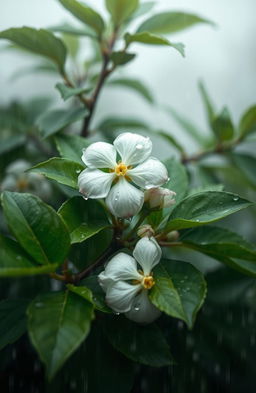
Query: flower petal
point(150, 174)
point(142, 310)
point(133, 148)
point(100, 155)
point(120, 296)
point(94, 183)
point(148, 253)
point(124, 200)
point(122, 267)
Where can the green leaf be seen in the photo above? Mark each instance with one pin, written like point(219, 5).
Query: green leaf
point(121, 10)
point(171, 140)
point(225, 246)
point(179, 290)
point(222, 126)
point(99, 295)
point(247, 123)
point(204, 208)
point(59, 169)
point(15, 262)
point(85, 14)
point(142, 344)
point(58, 323)
point(143, 9)
point(208, 187)
point(13, 321)
point(55, 120)
point(67, 92)
point(153, 39)
point(37, 227)
point(73, 30)
point(209, 108)
point(135, 85)
point(84, 219)
point(246, 164)
point(12, 142)
point(178, 178)
point(41, 42)
point(71, 146)
point(190, 128)
point(171, 22)
point(84, 292)
point(120, 58)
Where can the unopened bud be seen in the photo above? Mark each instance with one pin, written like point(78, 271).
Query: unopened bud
point(145, 231)
point(159, 197)
point(172, 236)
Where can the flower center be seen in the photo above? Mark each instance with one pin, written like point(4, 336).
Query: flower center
point(121, 169)
point(148, 282)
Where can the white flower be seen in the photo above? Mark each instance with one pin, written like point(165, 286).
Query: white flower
point(127, 161)
point(159, 197)
point(127, 287)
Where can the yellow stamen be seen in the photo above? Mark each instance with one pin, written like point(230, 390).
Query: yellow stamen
point(148, 282)
point(121, 169)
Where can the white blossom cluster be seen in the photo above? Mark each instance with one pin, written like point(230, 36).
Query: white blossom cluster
point(127, 176)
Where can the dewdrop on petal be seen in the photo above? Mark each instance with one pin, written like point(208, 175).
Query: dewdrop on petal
point(159, 197)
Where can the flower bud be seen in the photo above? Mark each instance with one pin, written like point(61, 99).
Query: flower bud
point(172, 236)
point(159, 197)
point(145, 231)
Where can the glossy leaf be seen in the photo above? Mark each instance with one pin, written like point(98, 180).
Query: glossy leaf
point(135, 85)
point(171, 22)
point(225, 246)
point(142, 344)
point(204, 208)
point(41, 42)
point(55, 120)
point(247, 123)
point(71, 146)
point(120, 58)
point(121, 10)
point(84, 219)
point(15, 262)
point(58, 323)
point(37, 227)
point(67, 92)
point(222, 126)
point(13, 321)
point(59, 169)
point(179, 290)
point(153, 39)
point(85, 14)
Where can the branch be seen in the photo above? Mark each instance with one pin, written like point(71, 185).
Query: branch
point(102, 78)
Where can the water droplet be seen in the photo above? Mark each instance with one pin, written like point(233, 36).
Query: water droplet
point(198, 220)
point(136, 308)
point(117, 196)
point(85, 198)
point(168, 178)
point(139, 146)
point(117, 313)
point(78, 170)
point(235, 198)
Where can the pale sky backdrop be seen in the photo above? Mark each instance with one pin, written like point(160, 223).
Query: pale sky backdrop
point(224, 57)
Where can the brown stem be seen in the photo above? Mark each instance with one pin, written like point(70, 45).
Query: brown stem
point(100, 261)
point(105, 72)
